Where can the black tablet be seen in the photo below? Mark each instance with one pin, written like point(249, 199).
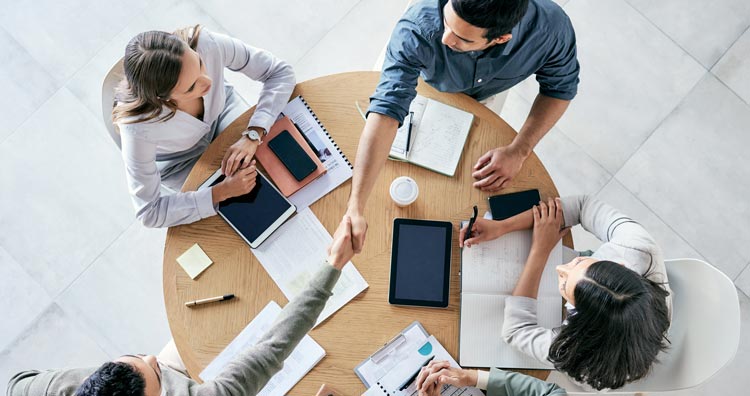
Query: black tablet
point(420, 263)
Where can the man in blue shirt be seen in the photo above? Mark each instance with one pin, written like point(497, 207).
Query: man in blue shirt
point(480, 48)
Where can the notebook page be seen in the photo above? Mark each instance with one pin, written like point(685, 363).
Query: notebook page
point(494, 267)
point(482, 345)
point(305, 356)
point(294, 253)
point(416, 111)
point(441, 133)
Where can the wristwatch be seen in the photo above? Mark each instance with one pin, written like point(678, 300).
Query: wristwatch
point(252, 134)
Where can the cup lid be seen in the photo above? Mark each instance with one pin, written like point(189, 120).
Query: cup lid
point(404, 189)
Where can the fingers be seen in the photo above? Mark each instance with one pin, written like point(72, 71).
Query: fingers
point(491, 178)
point(483, 160)
point(461, 234)
point(535, 211)
point(558, 210)
point(496, 184)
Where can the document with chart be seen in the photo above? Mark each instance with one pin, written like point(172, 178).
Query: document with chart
point(489, 272)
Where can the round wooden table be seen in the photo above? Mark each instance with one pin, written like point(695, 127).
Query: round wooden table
point(368, 321)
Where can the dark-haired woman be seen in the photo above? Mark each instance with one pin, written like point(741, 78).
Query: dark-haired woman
point(174, 101)
point(618, 299)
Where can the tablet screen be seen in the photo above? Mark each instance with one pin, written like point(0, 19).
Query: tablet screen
point(420, 263)
point(253, 213)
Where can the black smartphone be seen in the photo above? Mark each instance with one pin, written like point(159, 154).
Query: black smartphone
point(509, 205)
point(294, 158)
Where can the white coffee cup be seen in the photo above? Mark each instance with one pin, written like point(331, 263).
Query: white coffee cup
point(404, 191)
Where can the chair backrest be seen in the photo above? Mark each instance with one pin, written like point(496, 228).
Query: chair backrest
point(115, 75)
point(705, 331)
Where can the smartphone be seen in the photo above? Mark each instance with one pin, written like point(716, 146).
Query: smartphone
point(509, 205)
point(294, 158)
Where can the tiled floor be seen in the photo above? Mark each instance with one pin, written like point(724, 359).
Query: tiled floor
point(659, 129)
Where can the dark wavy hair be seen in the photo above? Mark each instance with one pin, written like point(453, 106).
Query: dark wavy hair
point(497, 16)
point(618, 329)
point(113, 379)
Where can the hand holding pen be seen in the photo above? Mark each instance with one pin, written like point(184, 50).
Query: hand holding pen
point(438, 373)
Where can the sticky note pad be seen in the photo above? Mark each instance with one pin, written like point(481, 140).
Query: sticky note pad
point(194, 261)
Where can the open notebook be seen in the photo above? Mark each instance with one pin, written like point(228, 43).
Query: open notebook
point(489, 272)
point(438, 135)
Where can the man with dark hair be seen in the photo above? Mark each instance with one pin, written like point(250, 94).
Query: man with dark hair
point(246, 375)
point(480, 48)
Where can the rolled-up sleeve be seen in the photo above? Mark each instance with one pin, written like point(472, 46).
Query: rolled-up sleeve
point(558, 77)
point(404, 59)
point(144, 184)
point(522, 331)
point(260, 65)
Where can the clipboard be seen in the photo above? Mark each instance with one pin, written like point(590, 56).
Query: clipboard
point(409, 337)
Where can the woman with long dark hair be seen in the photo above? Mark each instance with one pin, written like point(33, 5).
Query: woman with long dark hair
point(174, 101)
point(618, 299)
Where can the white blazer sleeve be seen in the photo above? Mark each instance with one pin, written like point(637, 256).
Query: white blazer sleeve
point(276, 75)
point(522, 331)
point(144, 184)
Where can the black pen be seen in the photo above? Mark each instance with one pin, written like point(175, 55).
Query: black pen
point(408, 131)
point(414, 376)
point(471, 224)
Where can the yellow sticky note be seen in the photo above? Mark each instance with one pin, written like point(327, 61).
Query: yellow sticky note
point(194, 261)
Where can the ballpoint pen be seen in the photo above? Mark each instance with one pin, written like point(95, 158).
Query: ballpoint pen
point(473, 219)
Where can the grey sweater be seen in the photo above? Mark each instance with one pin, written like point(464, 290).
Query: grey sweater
point(625, 242)
point(246, 375)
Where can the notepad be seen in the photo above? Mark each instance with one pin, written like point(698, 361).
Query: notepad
point(489, 273)
point(438, 135)
point(194, 261)
point(304, 357)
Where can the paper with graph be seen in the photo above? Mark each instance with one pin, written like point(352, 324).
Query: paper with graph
point(489, 272)
point(438, 135)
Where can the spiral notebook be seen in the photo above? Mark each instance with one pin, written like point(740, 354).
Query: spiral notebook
point(338, 167)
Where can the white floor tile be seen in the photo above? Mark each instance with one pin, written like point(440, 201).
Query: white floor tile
point(743, 280)
point(63, 35)
point(25, 85)
point(67, 182)
point(734, 67)
point(632, 77)
point(691, 173)
point(355, 42)
point(286, 29)
point(671, 244)
point(86, 84)
point(54, 341)
point(22, 299)
point(572, 170)
point(705, 29)
point(128, 312)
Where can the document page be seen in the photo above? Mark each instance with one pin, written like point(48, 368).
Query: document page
point(307, 354)
point(296, 251)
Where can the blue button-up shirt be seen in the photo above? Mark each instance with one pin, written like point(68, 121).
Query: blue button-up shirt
point(543, 43)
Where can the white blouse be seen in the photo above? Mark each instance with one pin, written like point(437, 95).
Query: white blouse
point(142, 142)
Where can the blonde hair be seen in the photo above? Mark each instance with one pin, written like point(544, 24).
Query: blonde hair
point(152, 65)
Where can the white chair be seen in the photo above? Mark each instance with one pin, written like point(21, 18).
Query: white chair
point(705, 331)
point(113, 77)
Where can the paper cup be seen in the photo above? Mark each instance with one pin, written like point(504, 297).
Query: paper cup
point(404, 191)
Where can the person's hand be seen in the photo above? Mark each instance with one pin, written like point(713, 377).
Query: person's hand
point(239, 183)
point(438, 373)
point(359, 230)
point(483, 230)
point(340, 251)
point(548, 225)
point(239, 155)
point(497, 167)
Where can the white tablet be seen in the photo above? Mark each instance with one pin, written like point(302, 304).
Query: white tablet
point(257, 214)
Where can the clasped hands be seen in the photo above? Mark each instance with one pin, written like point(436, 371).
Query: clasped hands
point(238, 167)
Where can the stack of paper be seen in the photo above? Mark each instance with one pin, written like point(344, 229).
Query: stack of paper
point(295, 252)
point(307, 354)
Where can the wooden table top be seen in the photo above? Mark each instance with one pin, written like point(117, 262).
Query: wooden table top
point(367, 322)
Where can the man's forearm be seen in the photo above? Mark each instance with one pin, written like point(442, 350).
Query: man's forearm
point(374, 146)
point(544, 114)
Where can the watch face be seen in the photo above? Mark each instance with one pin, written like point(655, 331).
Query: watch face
point(252, 134)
